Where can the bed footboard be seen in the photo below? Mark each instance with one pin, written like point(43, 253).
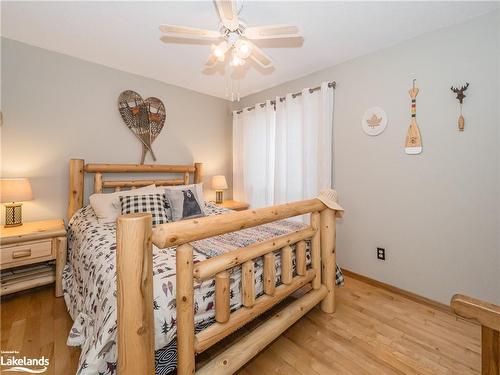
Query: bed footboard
point(135, 283)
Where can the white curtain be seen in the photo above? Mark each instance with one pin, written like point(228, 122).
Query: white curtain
point(285, 154)
point(253, 155)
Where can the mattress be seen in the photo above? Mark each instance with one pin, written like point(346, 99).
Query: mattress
point(89, 286)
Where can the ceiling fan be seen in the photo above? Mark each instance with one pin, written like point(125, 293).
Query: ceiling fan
point(234, 38)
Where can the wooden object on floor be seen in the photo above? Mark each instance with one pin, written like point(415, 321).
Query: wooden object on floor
point(134, 263)
point(235, 205)
point(488, 315)
point(36, 242)
point(374, 331)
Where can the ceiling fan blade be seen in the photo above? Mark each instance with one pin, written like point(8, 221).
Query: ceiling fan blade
point(228, 13)
point(272, 32)
point(260, 57)
point(189, 32)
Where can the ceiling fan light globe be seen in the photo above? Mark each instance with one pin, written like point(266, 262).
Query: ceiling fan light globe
point(218, 52)
point(236, 60)
point(243, 49)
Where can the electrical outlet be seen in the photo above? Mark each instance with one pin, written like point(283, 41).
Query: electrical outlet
point(380, 253)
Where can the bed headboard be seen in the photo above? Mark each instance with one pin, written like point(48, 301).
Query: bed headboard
point(78, 168)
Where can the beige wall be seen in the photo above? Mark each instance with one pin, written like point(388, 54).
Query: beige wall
point(437, 214)
point(58, 107)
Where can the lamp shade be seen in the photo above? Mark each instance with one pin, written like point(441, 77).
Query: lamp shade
point(219, 183)
point(15, 190)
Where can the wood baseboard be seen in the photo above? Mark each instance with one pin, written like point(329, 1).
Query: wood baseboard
point(414, 297)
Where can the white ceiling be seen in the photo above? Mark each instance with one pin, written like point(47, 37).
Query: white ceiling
point(125, 35)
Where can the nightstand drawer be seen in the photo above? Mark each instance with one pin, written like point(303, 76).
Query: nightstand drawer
point(26, 253)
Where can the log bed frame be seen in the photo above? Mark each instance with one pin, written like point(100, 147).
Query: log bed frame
point(135, 335)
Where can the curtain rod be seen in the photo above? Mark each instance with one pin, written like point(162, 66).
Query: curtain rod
point(331, 84)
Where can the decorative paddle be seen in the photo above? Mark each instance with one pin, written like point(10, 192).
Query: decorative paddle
point(413, 144)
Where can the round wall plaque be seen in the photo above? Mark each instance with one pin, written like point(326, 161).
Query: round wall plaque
point(374, 121)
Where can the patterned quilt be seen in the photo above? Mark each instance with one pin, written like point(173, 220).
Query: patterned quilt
point(89, 282)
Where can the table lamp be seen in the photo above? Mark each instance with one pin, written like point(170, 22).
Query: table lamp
point(218, 184)
point(13, 191)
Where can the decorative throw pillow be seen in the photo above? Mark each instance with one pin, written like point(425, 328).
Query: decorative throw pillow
point(155, 204)
point(198, 188)
point(184, 204)
point(107, 206)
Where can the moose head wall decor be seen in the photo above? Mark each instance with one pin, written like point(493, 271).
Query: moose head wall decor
point(460, 97)
point(145, 118)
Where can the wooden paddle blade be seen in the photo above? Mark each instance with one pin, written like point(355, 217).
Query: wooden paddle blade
point(413, 144)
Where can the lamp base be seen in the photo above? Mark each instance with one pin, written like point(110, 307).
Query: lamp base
point(219, 196)
point(13, 215)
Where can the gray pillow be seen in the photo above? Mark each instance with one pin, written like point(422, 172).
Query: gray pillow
point(184, 204)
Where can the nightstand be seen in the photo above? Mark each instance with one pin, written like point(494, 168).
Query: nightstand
point(28, 253)
point(235, 205)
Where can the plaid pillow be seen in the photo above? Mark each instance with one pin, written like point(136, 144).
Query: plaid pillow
point(155, 204)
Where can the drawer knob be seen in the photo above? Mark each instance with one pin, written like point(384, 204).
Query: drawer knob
point(21, 254)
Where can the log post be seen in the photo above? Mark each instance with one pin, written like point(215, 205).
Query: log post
point(198, 173)
point(286, 265)
point(186, 178)
point(300, 258)
point(75, 186)
point(134, 279)
point(98, 182)
point(269, 274)
point(222, 297)
point(185, 310)
point(248, 283)
point(328, 262)
point(316, 250)
point(61, 258)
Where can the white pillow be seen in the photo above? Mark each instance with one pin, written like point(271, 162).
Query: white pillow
point(107, 206)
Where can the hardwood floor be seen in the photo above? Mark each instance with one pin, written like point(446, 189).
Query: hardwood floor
point(374, 331)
